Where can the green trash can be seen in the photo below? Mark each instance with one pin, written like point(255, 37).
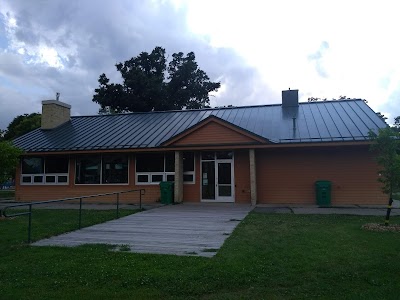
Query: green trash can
point(323, 192)
point(167, 192)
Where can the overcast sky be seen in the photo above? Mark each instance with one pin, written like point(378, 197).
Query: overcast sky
point(255, 49)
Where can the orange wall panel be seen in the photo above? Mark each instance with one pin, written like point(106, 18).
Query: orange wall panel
point(289, 175)
point(284, 176)
point(242, 176)
point(191, 192)
point(213, 134)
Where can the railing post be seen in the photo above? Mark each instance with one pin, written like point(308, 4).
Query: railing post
point(140, 199)
point(80, 213)
point(30, 223)
point(117, 205)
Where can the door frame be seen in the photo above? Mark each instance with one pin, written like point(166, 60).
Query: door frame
point(219, 199)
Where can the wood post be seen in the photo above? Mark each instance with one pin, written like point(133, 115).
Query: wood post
point(253, 179)
point(178, 186)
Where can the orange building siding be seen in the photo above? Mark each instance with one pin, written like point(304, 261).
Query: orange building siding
point(242, 176)
point(288, 175)
point(284, 176)
point(213, 134)
point(191, 192)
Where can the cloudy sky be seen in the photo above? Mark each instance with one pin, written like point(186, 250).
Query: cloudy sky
point(255, 49)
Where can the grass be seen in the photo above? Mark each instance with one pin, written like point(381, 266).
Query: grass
point(269, 256)
point(7, 194)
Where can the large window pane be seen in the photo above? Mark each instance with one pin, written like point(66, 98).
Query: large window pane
point(224, 154)
point(208, 180)
point(188, 161)
point(88, 170)
point(150, 162)
point(208, 155)
point(170, 162)
point(56, 164)
point(32, 165)
point(115, 169)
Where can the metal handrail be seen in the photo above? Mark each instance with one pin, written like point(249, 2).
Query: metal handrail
point(80, 198)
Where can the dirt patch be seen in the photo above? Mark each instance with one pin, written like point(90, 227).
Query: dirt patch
point(381, 227)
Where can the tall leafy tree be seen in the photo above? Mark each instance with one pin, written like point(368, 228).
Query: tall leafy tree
point(387, 146)
point(148, 83)
point(396, 125)
point(2, 133)
point(9, 157)
point(22, 124)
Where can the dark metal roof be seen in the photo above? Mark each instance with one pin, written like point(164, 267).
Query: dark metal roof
point(328, 121)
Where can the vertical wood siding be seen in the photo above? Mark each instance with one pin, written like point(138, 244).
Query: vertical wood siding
point(242, 176)
point(213, 133)
point(289, 175)
point(191, 192)
point(284, 176)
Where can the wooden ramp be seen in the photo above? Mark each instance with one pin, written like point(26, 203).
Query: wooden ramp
point(185, 229)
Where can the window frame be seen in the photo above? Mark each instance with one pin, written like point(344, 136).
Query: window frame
point(44, 174)
point(101, 170)
point(164, 173)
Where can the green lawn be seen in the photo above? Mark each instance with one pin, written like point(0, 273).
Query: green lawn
point(7, 194)
point(269, 256)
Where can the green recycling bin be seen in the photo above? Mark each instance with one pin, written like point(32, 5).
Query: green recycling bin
point(323, 192)
point(167, 192)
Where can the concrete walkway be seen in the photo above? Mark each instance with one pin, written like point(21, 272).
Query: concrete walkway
point(185, 229)
point(361, 210)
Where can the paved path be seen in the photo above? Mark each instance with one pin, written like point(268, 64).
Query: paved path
point(185, 229)
point(362, 210)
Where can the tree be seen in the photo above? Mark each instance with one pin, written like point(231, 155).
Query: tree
point(382, 116)
point(2, 133)
point(149, 84)
point(9, 157)
point(22, 124)
point(396, 125)
point(387, 146)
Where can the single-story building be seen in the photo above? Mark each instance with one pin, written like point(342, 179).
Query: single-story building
point(270, 154)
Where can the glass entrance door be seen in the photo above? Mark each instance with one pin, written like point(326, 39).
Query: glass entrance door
point(217, 177)
point(208, 180)
point(224, 182)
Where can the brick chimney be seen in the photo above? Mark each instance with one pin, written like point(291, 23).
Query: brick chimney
point(290, 98)
point(54, 113)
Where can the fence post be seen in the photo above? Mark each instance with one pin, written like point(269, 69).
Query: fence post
point(30, 223)
point(80, 213)
point(140, 199)
point(117, 205)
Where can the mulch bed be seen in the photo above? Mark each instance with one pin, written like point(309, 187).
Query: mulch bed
point(381, 227)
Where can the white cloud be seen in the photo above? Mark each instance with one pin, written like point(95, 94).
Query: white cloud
point(256, 48)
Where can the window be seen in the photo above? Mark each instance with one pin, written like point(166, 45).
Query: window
point(32, 165)
point(115, 169)
point(152, 168)
point(188, 167)
point(105, 169)
point(88, 170)
point(44, 170)
point(150, 163)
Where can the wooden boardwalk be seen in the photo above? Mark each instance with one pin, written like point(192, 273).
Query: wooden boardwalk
point(185, 229)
